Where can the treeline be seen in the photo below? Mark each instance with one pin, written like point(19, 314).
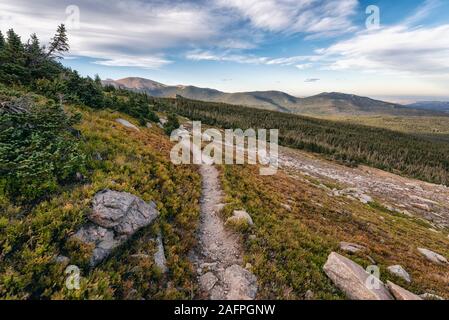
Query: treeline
point(351, 144)
point(37, 68)
point(39, 149)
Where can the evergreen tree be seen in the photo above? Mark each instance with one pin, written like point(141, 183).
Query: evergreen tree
point(59, 43)
point(2, 40)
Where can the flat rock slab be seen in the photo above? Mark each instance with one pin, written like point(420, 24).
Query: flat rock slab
point(115, 217)
point(433, 256)
point(353, 280)
point(351, 247)
point(127, 124)
point(400, 293)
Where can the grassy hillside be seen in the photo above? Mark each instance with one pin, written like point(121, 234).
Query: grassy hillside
point(432, 127)
point(297, 224)
point(33, 234)
point(422, 158)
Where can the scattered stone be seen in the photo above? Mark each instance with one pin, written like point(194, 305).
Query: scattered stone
point(351, 247)
point(252, 237)
point(159, 256)
point(241, 215)
point(163, 120)
point(208, 281)
point(421, 206)
point(400, 293)
point(433, 256)
point(400, 272)
point(62, 260)
point(287, 207)
point(248, 266)
point(115, 217)
point(79, 176)
point(430, 296)
point(353, 280)
point(127, 124)
point(148, 125)
point(209, 266)
point(139, 256)
point(309, 295)
point(97, 156)
point(354, 193)
point(241, 283)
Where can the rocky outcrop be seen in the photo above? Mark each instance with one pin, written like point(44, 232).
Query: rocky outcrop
point(400, 293)
point(241, 215)
point(433, 256)
point(353, 280)
point(354, 193)
point(115, 217)
point(127, 124)
point(400, 272)
point(351, 247)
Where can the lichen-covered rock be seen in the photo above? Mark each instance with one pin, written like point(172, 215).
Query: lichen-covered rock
point(115, 217)
point(353, 280)
point(400, 272)
point(207, 281)
point(433, 256)
point(241, 283)
point(241, 215)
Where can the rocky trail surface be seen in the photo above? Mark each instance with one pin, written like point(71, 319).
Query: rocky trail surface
point(218, 256)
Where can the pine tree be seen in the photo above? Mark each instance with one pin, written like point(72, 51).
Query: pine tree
point(2, 40)
point(59, 43)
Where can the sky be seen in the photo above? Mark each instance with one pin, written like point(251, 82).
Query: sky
point(396, 50)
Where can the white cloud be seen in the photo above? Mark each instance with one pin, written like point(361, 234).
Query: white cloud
point(398, 49)
point(199, 55)
point(317, 17)
point(128, 33)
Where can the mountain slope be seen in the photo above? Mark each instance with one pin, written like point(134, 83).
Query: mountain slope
point(319, 105)
point(442, 106)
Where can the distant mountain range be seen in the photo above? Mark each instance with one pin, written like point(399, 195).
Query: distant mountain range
point(324, 104)
point(442, 106)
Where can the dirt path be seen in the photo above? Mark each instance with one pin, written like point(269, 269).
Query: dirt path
point(218, 256)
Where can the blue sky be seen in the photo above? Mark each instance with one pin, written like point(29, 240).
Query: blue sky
point(302, 47)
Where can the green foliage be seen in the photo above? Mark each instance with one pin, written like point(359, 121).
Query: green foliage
point(172, 123)
point(37, 150)
point(32, 237)
point(351, 144)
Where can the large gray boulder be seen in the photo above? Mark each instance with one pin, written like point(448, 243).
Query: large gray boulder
point(353, 280)
point(115, 217)
point(121, 211)
point(433, 256)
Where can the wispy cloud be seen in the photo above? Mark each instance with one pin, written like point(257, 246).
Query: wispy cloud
point(317, 17)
